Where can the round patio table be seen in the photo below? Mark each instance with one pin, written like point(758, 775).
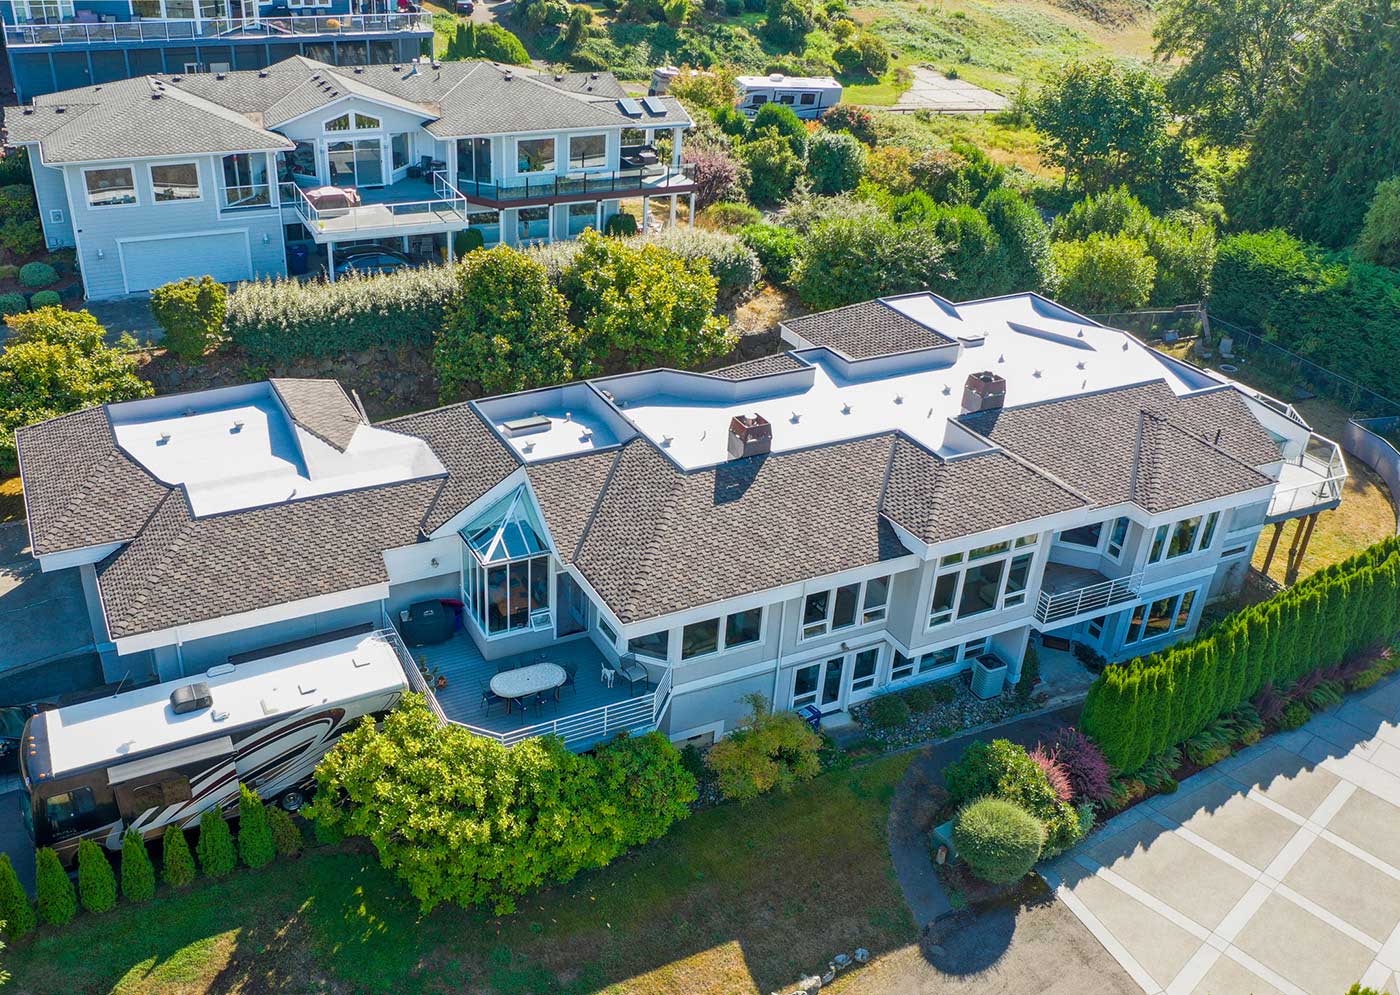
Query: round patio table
point(526, 681)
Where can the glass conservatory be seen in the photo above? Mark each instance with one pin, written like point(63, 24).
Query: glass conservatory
point(506, 572)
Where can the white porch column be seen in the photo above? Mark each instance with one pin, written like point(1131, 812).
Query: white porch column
point(691, 220)
point(646, 213)
point(330, 261)
point(451, 249)
point(671, 221)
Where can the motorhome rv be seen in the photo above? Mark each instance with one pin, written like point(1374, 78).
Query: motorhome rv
point(809, 96)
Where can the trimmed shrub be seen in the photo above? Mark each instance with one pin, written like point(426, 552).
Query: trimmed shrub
point(177, 865)
point(191, 311)
point(138, 875)
point(769, 750)
point(37, 275)
point(286, 837)
point(777, 250)
point(255, 843)
point(57, 900)
point(620, 225)
point(835, 162)
point(927, 697)
point(45, 298)
point(1295, 716)
point(283, 319)
point(999, 840)
point(732, 263)
point(8, 271)
point(1137, 710)
point(492, 42)
point(1002, 769)
point(15, 911)
point(1030, 673)
point(217, 856)
point(728, 215)
point(97, 885)
point(21, 235)
point(889, 711)
point(468, 240)
point(773, 167)
point(13, 304)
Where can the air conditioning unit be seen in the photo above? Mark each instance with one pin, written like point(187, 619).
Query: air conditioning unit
point(988, 676)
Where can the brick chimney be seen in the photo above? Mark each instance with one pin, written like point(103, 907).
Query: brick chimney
point(983, 392)
point(749, 435)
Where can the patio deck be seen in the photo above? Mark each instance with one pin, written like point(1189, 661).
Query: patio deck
point(467, 672)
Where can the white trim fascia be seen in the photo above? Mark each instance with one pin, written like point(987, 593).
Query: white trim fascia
point(724, 677)
point(249, 620)
point(411, 108)
point(49, 562)
point(164, 155)
point(497, 491)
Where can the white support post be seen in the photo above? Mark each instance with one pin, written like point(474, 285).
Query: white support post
point(691, 220)
point(671, 221)
point(451, 249)
point(330, 261)
point(646, 213)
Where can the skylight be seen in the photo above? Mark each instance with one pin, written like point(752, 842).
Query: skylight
point(509, 530)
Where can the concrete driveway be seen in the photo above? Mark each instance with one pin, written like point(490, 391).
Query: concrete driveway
point(1276, 872)
point(932, 91)
point(43, 617)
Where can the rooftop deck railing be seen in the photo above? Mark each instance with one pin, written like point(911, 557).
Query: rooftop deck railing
point(619, 181)
point(1320, 483)
point(185, 29)
point(448, 206)
point(1086, 600)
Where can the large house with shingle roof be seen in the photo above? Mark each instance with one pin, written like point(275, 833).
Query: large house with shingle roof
point(916, 489)
point(256, 173)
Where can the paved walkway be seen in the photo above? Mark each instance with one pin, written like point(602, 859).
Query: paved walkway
point(1276, 872)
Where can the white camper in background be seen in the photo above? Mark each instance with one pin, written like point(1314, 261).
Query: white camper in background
point(164, 754)
point(808, 96)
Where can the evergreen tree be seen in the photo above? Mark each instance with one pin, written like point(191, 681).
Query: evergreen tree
point(97, 885)
point(217, 856)
point(15, 911)
point(177, 866)
point(138, 876)
point(285, 834)
point(58, 902)
point(255, 843)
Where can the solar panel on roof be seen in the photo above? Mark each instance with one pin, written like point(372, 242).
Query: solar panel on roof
point(654, 105)
point(630, 107)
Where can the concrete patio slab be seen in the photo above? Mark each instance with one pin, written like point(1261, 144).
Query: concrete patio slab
point(1204, 896)
point(1286, 780)
point(1153, 940)
point(1298, 946)
point(1348, 887)
point(1371, 823)
point(1227, 977)
point(1230, 820)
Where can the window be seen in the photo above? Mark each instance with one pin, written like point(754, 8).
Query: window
point(606, 631)
point(245, 180)
point(825, 611)
point(508, 572)
point(1234, 551)
point(1208, 530)
point(742, 628)
point(138, 799)
point(1183, 611)
point(355, 122)
point(950, 559)
point(700, 639)
point(845, 614)
point(1029, 540)
point(74, 811)
point(1169, 614)
point(474, 160)
point(1117, 536)
point(176, 181)
point(299, 165)
point(814, 613)
point(804, 685)
point(1183, 537)
point(944, 590)
point(982, 552)
point(534, 155)
point(1186, 536)
point(938, 658)
point(901, 667)
point(864, 669)
point(1087, 536)
point(787, 98)
point(656, 645)
point(757, 100)
point(110, 187)
point(981, 589)
point(588, 151)
point(1095, 627)
point(974, 648)
point(532, 222)
point(1016, 579)
point(1159, 618)
point(877, 592)
point(808, 99)
point(1159, 541)
point(398, 147)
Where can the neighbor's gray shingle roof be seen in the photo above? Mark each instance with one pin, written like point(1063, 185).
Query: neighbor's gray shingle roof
point(321, 407)
point(80, 489)
point(783, 362)
point(1141, 444)
point(937, 499)
point(862, 331)
point(475, 457)
point(181, 569)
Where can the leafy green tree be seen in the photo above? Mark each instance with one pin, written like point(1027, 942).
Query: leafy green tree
point(1380, 231)
point(1114, 211)
point(285, 834)
point(1025, 241)
point(865, 53)
point(788, 22)
point(848, 260)
point(972, 252)
point(217, 855)
point(57, 900)
point(255, 844)
point(54, 362)
point(177, 865)
point(138, 875)
point(1322, 144)
point(507, 330)
point(473, 822)
point(640, 301)
point(783, 120)
point(1232, 56)
point(1104, 273)
point(16, 913)
point(769, 750)
point(835, 161)
point(191, 311)
point(1103, 123)
point(773, 168)
point(97, 885)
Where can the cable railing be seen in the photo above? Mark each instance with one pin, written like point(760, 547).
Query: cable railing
point(662, 179)
point(182, 29)
point(1082, 600)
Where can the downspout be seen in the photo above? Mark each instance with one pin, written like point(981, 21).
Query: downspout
point(778, 663)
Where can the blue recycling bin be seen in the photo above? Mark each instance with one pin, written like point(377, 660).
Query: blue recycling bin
point(298, 260)
point(812, 715)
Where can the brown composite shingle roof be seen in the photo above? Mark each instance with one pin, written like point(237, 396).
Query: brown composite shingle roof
point(80, 489)
point(783, 362)
point(567, 491)
point(321, 407)
point(866, 330)
point(1141, 444)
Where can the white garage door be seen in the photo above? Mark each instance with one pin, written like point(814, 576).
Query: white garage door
point(150, 262)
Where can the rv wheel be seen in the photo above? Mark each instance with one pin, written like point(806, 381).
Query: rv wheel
point(292, 800)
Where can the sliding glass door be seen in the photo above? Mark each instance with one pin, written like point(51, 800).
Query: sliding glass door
point(358, 163)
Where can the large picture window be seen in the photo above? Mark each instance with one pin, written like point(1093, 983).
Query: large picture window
point(588, 151)
point(1087, 536)
point(508, 571)
point(995, 576)
point(245, 180)
point(654, 644)
point(844, 607)
point(534, 155)
point(175, 182)
point(110, 187)
point(1190, 535)
point(1160, 617)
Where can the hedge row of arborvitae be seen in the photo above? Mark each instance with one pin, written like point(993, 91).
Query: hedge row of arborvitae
point(264, 833)
point(1140, 709)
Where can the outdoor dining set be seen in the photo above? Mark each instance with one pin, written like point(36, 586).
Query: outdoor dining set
point(519, 684)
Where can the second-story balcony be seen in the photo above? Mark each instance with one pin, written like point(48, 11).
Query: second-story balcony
point(1071, 594)
point(88, 28)
point(409, 207)
point(1310, 482)
point(654, 180)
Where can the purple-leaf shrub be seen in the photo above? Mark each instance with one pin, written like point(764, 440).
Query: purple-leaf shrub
point(717, 174)
point(1089, 773)
point(1055, 772)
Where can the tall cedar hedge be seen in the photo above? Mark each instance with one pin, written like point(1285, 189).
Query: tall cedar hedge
point(1137, 710)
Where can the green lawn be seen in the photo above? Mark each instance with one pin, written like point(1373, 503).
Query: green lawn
point(737, 899)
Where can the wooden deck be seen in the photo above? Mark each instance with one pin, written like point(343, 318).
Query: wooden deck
point(467, 673)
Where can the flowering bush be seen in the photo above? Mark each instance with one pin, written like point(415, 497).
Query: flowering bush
point(1046, 759)
point(1089, 774)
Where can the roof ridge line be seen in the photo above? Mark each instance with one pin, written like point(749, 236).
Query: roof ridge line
point(597, 504)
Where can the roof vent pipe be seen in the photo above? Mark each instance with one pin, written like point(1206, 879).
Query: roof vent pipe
point(985, 391)
point(749, 435)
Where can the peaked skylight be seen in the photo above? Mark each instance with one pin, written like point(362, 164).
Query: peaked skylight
point(509, 530)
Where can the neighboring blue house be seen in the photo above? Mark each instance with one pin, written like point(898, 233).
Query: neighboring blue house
point(62, 44)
